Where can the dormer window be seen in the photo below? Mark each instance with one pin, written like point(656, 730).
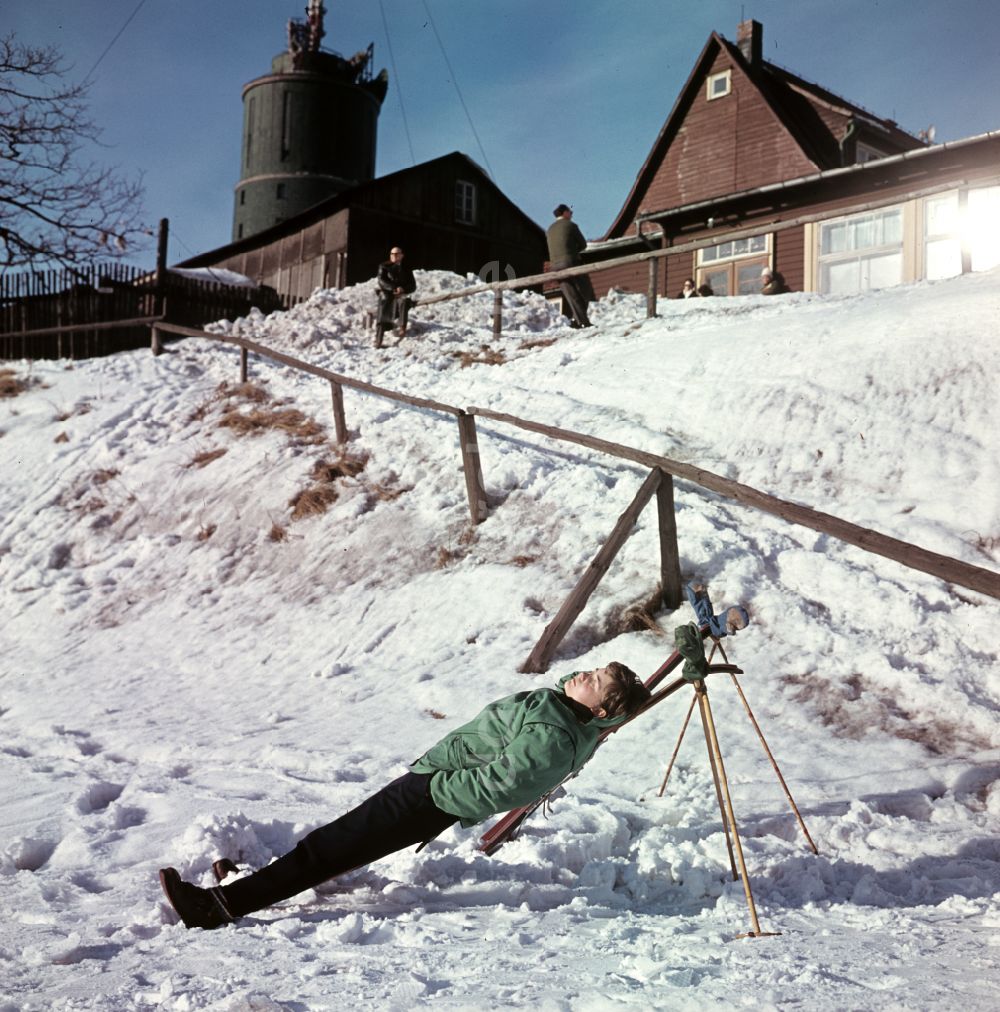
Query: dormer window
point(866, 153)
point(719, 84)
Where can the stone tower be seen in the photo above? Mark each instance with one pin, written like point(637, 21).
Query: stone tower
point(309, 128)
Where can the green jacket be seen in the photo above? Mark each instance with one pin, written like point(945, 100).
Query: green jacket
point(513, 752)
point(566, 243)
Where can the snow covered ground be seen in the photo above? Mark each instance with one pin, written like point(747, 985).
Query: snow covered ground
point(219, 632)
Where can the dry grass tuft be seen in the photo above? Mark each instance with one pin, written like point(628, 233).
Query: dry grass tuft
point(485, 356)
point(288, 420)
point(385, 494)
point(312, 501)
point(346, 466)
point(435, 714)
point(61, 438)
point(537, 342)
point(206, 532)
point(445, 556)
point(11, 384)
point(103, 476)
point(206, 457)
point(277, 533)
point(641, 615)
point(523, 560)
point(243, 391)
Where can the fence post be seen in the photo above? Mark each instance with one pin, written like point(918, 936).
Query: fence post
point(474, 487)
point(340, 425)
point(243, 365)
point(160, 275)
point(651, 292)
point(670, 562)
point(541, 654)
point(497, 312)
point(155, 341)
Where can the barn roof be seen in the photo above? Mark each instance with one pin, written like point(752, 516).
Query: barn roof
point(347, 198)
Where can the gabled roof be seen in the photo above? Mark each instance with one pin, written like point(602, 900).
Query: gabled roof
point(346, 198)
point(798, 105)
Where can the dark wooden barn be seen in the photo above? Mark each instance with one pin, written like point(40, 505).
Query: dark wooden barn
point(787, 175)
point(447, 214)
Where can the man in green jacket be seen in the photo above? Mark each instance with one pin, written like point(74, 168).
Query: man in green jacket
point(513, 752)
point(566, 244)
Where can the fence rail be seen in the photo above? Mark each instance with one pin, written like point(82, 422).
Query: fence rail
point(943, 567)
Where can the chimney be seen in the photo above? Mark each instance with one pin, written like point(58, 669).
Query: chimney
point(750, 39)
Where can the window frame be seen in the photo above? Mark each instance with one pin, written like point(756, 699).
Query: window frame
point(860, 255)
point(756, 255)
point(723, 75)
point(466, 202)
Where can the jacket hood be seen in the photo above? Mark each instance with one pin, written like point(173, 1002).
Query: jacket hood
point(599, 722)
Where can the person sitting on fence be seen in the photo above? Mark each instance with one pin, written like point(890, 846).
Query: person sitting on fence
point(395, 285)
point(516, 750)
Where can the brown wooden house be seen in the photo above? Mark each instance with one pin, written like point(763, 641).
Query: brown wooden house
point(447, 214)
point(759, 167)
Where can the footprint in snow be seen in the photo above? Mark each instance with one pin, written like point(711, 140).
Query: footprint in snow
point(98, 796)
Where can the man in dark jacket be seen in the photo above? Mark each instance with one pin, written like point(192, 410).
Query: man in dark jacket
point(516, 750)
point(566, 243)
point(395, 284)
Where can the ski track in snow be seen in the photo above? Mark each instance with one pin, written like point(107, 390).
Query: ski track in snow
point(189, 672)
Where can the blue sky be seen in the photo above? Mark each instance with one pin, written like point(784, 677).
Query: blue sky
point(565, 98)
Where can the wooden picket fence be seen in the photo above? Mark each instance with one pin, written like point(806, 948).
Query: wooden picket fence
point(103, 309)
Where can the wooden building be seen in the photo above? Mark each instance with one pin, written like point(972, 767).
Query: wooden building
point(782, 173)
point(447, 214)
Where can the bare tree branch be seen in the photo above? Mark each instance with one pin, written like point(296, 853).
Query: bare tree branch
point(56, 206)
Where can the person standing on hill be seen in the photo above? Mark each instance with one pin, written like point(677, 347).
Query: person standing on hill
point(516, 750)
point(566, 244)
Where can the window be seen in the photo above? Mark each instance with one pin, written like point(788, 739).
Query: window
point(742, 278)
point(250, 123)
point(286, 124)
point(280, 191)
point(243, 197)
point(733, 268)
point(861, 252)
point(942, 243)
point(465, 202)
point(983, 219)
point(865, 153)
point(736, 248)
point(719, 84)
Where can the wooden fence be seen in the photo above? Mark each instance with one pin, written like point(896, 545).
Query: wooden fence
point(102, 309)
point(660, 480)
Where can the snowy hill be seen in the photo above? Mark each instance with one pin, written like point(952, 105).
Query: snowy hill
point(220, 632)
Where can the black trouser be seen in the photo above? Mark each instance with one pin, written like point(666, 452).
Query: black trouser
point(578, 292)
point(393, 310)
point(399, 815)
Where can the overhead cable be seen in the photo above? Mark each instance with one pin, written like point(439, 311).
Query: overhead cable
point(454, 81)
point(395, 75)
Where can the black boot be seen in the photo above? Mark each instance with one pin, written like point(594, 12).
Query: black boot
point(197, 907)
